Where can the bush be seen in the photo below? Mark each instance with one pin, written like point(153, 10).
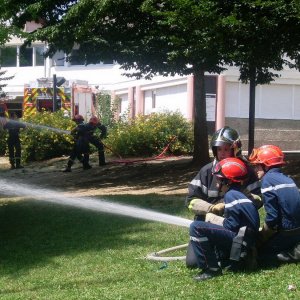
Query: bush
point(148, 135)
point(144, 136)
point(43, 138)
point(3, 137)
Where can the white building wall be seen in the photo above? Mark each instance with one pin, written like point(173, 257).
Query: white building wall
point(124, 104)
point(148, 102)
point(172, 99)
point(277, 100)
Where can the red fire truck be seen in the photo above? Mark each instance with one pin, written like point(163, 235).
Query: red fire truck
point(75, 97)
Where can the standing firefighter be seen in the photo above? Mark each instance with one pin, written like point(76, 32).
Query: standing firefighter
point(13, 141)
point(94, 123)
point(232, 237)
point(81, 145)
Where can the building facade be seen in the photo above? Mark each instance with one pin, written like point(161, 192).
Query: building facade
point(277, 110)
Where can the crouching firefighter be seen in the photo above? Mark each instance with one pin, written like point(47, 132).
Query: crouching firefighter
point(219, 241)
point(81, 145)
point(204, 195)
point(279, 237)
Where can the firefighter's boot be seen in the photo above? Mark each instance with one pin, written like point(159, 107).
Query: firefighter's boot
point(85, 162)
point(18, 164)
point(86, 166)
point(68, 167)
point(101, 158)
point(12, 163)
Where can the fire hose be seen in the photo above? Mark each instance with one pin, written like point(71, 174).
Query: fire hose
point(158, 256)
point(130, 161)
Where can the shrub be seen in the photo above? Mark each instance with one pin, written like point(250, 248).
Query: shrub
point(106, 109)
point(42, 138)
point(3, 137)
point(148, 135)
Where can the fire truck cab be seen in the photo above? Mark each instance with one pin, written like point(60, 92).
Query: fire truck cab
point(73, 97)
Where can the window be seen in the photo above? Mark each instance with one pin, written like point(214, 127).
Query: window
point(25, 57)
point(39, 55)
point(8, 57)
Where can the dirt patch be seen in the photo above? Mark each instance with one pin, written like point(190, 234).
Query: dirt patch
point(164, 176)
point(168, 176)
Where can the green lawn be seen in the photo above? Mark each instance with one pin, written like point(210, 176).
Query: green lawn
point(55, 252)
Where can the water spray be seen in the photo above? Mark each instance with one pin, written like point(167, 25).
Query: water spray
point(3, 121)
point(100, 205)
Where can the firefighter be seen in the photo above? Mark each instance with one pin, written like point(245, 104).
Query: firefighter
point(13, 141)
point(233, 237)
point(94, 123)
point(81, 145)
point(279, 237)
point(203, 193)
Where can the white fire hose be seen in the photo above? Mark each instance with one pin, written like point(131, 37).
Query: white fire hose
point(158, 256)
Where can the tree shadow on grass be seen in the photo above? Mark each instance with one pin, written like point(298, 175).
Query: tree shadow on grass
point(32, 232)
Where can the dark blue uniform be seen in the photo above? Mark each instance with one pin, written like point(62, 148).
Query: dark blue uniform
point(208, 239)
point(94, 140)
point(80, 148)
point(281, 200)
point(204, 185)
point(13, 142)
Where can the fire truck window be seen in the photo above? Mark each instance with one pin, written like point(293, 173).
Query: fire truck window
point(44, 104)
point(8, 57)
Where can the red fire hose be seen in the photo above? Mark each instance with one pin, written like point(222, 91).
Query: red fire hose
point(131, 161)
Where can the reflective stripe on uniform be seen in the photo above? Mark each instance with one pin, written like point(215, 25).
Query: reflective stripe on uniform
point(213, 194)
point(197, 183)
point(278, 187)
point(235, 202)
point(202, 239)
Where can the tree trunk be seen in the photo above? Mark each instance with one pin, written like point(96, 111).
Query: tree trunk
point(201, 153)
point(251, 111)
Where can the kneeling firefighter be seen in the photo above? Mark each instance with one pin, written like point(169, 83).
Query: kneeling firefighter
point(279, 237)
point(218, 240)
point(204, 195)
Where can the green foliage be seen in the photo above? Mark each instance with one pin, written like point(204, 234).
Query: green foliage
point(148, 135)
point(40, 143)
point(3, 78)
point(106, 109)
point(3, 137)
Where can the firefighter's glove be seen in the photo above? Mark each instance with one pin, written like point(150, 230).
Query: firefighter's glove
point(217, 209)
point(264, 234)
point(257, 201)
point(199, 206)
point(214, 219)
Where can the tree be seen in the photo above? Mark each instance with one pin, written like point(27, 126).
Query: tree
point(266, 39)
point(168, 37)
point(146, 37)
point(2, 85)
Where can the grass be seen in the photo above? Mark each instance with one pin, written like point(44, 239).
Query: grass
point(56, 252)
